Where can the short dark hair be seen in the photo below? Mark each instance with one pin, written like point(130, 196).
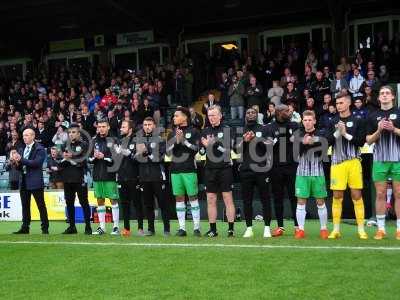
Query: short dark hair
point(185, 112)
point(343, 95)
point(74, 125)
point(131, 125)
point(103, 121)
point(149, 119)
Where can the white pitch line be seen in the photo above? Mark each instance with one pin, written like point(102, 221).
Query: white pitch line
point(191, 245)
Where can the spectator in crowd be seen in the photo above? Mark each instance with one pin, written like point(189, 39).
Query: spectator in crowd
point(325, 105)
point(290, 94)
point(270, 114)
point(179, 87)
point(53, 169)
point(383, 75)
point(320, 87)
point(236, 98)
point(295, 116)
point(328, 74)
point(370, 100)
point(43, 135)
point(309, 77)
point(275, 93)
point(312, 61)
point(135, 113)
point(196, 119)
point(3, 138)
point(154, 100)
point(344, 66)
point(254, 93)
point(145, 109)
point(60, 138)
point(87, 120)
point(326, 119)
point(211, 101)
point(14, 173)
point(163, 94)
point(108, 100)
point(260, 116)
point(310, 104)
point(224, 89)
point(371, 81)
point(339, 84)
point(359, 111)
point(286, 78)
point(356, 83)
point(60, 121)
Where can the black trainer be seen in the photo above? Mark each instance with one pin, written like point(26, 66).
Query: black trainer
point(70, 230)
point(181, 232)
point(231, 233)
point(211, 234)
point(88, 230)
point(197, 232)
point(22, 231)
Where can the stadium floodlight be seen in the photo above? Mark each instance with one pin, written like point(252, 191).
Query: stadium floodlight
point(229, 46)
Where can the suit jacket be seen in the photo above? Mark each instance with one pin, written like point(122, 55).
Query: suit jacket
point(44, 137)
point(34, 165)
point(343, 85)
point(87, 124)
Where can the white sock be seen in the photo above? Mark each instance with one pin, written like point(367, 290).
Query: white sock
point(301, 215)
point(195, 207)
point(398, 224)
point(181, 213)
point(323, 216)
point(336, 227)
point(101, 212)
point(389, 193)
point(380, 219)
point(115, 214)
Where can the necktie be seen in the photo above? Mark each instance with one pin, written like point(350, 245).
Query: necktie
point(27, 151)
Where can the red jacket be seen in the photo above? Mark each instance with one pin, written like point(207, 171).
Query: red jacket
point(107, 100)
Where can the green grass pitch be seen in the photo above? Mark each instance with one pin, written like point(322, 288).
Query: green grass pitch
point(108, 267)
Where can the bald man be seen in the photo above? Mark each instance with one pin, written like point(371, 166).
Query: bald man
point(29, 159)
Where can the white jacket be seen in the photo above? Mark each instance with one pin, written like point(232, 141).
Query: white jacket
point(355, 84)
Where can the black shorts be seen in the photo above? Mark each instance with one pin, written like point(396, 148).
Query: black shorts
point(218, 180)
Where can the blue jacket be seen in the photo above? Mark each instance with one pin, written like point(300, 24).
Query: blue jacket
point(325, 120)
point(34, 165)
point(360, 113)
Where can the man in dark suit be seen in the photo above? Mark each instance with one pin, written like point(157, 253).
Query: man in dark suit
point(338, 84)
point(29, 160)
point(43, 135)
point(88, 120)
